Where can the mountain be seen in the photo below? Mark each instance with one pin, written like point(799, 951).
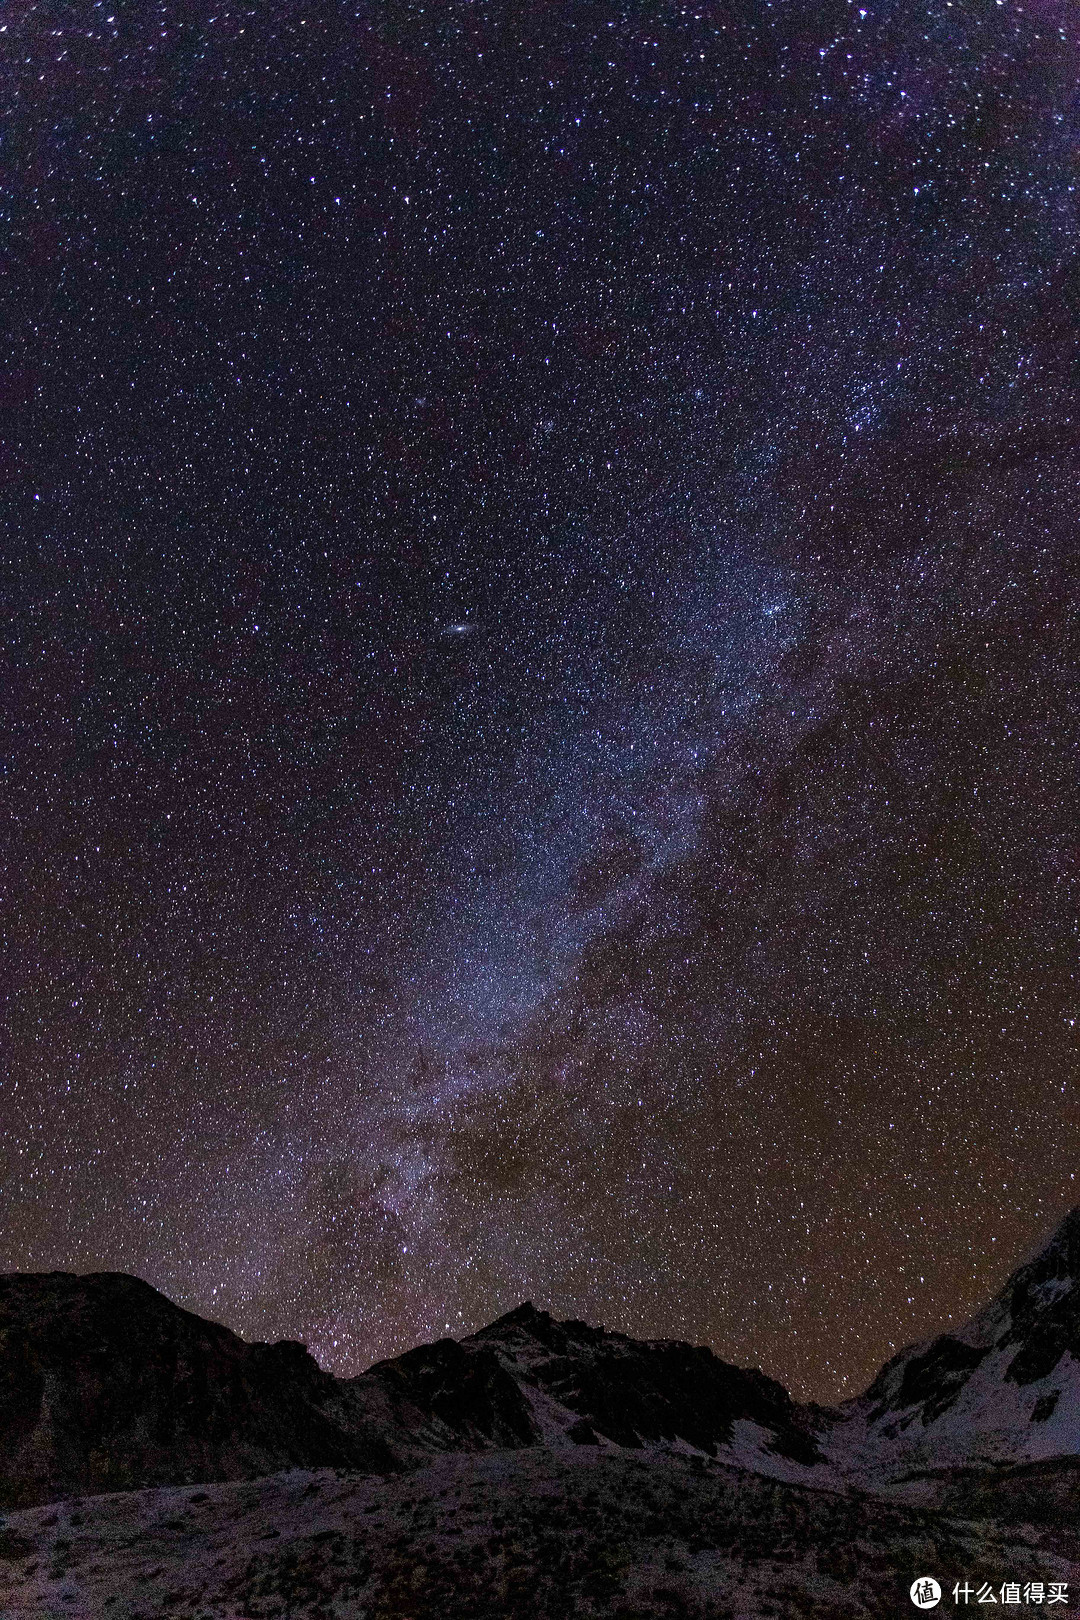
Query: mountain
point(1004, 1388)
point(105, 1385)
point(561, 1382)
point(532, 1470)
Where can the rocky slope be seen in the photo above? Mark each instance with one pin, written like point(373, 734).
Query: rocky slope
point(536, 1533)
point(1005, 1388)
point(106, 1385)
point(560, 1382)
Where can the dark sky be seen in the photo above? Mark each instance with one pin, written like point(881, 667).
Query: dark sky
point(540, 720)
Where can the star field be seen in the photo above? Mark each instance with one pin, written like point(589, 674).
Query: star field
point(540, 714)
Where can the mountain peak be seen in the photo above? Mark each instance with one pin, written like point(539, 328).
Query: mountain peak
point(523, 1315)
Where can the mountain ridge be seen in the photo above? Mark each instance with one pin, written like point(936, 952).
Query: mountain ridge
point(1004, 1387)
point(106, 1385)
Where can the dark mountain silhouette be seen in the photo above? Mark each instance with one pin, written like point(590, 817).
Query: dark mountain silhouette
point(105, 1385)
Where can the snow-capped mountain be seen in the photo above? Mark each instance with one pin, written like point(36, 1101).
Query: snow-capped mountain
point(106, 1385)
point(568, 1383)
point(1005, 1388)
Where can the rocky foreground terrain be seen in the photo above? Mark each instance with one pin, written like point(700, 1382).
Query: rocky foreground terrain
point(532, 1534)
point(152, 1464)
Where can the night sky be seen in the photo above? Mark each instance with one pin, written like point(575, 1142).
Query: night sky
point(541, 743)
